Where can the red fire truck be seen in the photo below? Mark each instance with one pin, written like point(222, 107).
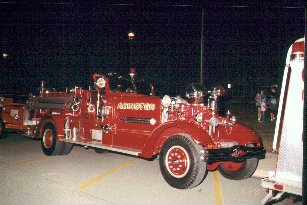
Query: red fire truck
point(122, 115)
point(15, 114)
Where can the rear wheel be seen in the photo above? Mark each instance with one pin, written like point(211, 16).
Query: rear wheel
point(181, 162)
point(239, 171)
point(99, 151)
point(50, 144)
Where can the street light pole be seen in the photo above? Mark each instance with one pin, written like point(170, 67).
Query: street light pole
point(131, 38)
point(202, 47)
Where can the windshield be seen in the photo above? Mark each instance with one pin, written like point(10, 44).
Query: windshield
point(124, 84)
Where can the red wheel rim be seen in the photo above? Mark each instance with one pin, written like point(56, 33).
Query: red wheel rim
point(47, 138)
point(177, 161)
point(231, 166)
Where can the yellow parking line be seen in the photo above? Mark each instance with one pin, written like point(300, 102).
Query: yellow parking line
point(19, 164)
point(92, 181)
point(218, 196)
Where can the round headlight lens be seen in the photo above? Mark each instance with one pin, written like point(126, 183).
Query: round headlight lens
point(166, 101)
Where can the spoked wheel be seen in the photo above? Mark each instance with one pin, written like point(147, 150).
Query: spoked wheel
point(181, 162)
point(177, 161)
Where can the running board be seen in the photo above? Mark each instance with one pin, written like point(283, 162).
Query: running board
point(134, 153)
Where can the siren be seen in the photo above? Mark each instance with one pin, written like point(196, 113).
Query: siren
point(132, 72)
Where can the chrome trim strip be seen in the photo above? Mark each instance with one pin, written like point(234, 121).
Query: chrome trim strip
point(134, 153)
point(136, 120)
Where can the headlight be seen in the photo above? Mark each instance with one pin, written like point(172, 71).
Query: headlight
point(166, 101)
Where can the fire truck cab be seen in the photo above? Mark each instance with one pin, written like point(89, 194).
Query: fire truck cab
point(125, 116)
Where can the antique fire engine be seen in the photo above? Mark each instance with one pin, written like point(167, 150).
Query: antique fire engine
point(123, 115)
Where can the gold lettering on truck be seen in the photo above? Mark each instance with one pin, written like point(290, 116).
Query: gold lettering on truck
point(136, 106)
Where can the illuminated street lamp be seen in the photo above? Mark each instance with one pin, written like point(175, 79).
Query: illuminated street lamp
point(131, 35)
point(131, 38)
point(5, 55)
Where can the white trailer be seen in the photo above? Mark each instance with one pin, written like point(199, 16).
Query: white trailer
point(287, 177)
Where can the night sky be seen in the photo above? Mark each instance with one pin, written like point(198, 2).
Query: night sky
point(64, 42)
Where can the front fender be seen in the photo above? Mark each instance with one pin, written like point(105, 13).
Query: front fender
point(58, 122)
point(42, 124)
point(244, 134)
point(166, 130)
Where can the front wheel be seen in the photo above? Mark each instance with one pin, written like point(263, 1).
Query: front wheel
point(50, 144)
point(239, 171)
point(66, 148)
point(182, 162)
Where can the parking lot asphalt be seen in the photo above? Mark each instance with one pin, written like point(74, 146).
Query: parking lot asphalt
point(266, 166)
point(85, 177)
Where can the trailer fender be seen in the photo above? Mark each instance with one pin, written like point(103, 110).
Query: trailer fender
point(163, 132)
